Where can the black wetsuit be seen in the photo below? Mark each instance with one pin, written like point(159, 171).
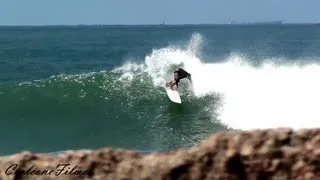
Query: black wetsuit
point(180, 74)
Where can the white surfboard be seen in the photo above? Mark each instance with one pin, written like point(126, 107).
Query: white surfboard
point(173, 95)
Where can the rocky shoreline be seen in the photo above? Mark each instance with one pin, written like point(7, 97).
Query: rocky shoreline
point(260, 154)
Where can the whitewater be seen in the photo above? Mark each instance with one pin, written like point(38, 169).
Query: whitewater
point(273, 94)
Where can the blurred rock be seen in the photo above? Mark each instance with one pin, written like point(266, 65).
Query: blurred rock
point(260, 154)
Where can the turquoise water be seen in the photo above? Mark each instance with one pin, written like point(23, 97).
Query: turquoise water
point(64, 87)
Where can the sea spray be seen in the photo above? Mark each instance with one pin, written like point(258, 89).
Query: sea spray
point(272, 94)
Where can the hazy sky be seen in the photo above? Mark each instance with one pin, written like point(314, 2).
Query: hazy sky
point(48, 12)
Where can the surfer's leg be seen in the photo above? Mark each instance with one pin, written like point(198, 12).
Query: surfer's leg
point(174, 87)
point(174, 83)
point(171, 86)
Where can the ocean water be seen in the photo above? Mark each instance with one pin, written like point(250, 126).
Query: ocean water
point(81, 87)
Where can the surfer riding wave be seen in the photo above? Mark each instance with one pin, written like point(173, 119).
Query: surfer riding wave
point(178, 75)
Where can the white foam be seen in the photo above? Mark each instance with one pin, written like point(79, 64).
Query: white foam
point(267, 96)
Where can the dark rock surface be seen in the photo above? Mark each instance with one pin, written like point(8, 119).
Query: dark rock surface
point(276, 154)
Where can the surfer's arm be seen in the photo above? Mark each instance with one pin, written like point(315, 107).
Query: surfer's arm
point(189, 77)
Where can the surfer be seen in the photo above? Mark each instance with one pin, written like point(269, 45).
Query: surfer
point(178, 75)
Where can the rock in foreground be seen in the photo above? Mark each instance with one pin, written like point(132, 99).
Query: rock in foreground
point(261, 154)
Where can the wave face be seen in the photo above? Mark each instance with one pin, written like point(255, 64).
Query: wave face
point(126, 106)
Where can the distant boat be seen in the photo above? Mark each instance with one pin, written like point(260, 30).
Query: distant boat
point(164, 23)
point(267, 22)
point(263, 22)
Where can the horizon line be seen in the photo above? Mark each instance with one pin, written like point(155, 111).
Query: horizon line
point(175, 24)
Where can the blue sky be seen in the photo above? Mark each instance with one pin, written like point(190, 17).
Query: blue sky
point(52, 12)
